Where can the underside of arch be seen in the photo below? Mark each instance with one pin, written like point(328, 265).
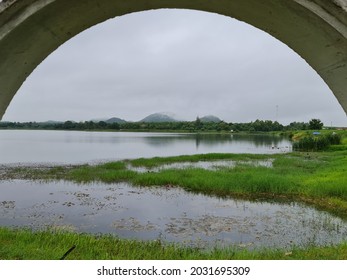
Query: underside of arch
point(32, 29)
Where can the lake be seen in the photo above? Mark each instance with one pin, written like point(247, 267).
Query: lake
point(73, 147)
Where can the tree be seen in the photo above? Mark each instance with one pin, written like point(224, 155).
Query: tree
point(315, 124)
point(102, 124)
point(223, 126)
point(69, 125)
point(198, 123)
point(297, 126)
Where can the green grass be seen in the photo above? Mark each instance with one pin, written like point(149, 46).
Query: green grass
point(108, 173)
point(24, 244)
point(318, 176)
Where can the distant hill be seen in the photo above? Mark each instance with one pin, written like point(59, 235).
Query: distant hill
point(159, 117)
point(210, 118)
point(52, 122)
point(115, 120)
point(99, 120)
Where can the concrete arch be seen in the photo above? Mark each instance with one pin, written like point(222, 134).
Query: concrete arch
point(32, 29)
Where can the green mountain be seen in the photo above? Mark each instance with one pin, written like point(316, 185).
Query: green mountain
point(210, 118)
point(115, 120)
point(159, 117)
point(52, 122)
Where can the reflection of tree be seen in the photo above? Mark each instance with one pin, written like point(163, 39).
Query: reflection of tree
point(211, 140)
point(166, 139)
point(260, 140)
point(197, 141)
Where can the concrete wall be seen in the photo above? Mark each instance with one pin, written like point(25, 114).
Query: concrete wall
point(32, 29)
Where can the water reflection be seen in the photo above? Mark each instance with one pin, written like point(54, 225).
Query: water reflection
point(65, 147)
point(213, 139)
point(169, 214)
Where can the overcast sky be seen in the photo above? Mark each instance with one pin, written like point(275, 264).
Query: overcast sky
point(184, 62)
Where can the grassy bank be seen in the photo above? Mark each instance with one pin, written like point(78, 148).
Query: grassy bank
point(47, 245)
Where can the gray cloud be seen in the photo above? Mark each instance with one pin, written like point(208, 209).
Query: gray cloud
point(187, 62)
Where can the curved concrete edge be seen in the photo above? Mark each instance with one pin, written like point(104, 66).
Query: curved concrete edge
point(10, 25)
point(341, 3)
point(32, 29)
point(326, 15)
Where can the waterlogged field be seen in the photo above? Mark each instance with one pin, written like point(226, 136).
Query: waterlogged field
point(168, 214)
point(210, 206)
point(317, 178)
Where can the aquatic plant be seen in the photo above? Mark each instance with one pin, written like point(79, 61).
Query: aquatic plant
point(317, 143)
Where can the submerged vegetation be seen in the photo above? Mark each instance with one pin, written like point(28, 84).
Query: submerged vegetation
point(316, 178)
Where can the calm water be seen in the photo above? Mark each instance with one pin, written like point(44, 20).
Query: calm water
point(65, 147)
point(168, 214)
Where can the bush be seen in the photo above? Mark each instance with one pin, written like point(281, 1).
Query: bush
point(317, 143)
point(334, 139)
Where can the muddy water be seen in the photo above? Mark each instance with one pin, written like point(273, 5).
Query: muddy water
point(169, 214)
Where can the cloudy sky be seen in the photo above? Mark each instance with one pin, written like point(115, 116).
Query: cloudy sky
point(183, 62)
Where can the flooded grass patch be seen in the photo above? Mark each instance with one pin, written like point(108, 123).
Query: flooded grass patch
point(315, 177)
point(168, 214)
point(208, 165)
point(159, 161)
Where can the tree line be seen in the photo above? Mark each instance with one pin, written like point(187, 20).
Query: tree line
point(190, 126)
